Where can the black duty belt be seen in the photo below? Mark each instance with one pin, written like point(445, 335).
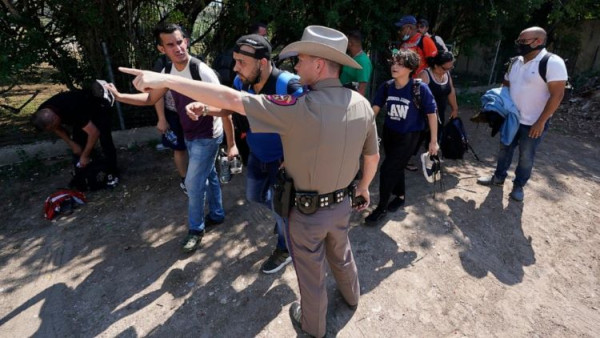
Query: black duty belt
point(308, 202)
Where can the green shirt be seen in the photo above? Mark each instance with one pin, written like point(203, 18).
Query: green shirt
point(350, 74)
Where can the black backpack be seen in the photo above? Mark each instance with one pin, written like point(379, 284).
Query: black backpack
point(438, 46)
point(416, 91)
point(194, 68)
point(454, 142)
point(417, 101)
point(94, 176)
point(223, 66)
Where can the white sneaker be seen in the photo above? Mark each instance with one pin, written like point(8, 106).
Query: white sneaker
point(431, 167)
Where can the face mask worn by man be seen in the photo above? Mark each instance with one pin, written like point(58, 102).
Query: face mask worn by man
point(525, 48)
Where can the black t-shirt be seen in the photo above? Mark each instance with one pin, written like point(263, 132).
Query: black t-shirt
point(75, 108)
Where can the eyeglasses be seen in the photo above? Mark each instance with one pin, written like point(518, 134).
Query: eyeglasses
point(448, 68)
point(523, 41)
point(399, 64)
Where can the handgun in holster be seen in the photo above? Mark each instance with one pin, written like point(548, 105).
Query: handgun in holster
point(284, 193)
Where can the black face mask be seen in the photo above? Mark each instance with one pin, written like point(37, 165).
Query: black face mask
point(524, 49)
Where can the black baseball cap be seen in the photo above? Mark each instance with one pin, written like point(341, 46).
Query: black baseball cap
point(262, 47)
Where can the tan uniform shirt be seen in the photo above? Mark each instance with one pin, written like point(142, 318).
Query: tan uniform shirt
point(323, 133)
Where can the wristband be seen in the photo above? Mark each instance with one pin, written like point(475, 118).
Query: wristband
point(205, 110)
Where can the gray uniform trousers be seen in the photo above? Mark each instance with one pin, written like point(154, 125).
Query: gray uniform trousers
point(313, 238)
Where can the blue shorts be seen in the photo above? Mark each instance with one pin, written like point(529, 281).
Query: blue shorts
point(173, 120)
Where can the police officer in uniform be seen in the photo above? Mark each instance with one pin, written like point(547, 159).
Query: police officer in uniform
point(323, 133)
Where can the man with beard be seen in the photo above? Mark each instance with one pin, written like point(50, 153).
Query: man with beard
point(256, 74)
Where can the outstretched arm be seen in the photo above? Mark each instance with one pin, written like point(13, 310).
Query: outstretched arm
point(139, 99)
point(208, 93)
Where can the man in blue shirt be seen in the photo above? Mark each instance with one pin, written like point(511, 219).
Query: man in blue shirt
point(256, 74)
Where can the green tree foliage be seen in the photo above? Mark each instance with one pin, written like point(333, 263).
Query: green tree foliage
point(69, 34)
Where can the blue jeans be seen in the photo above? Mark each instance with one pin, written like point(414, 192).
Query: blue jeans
point(201, 180)
point(527, 147)
point(260, 178)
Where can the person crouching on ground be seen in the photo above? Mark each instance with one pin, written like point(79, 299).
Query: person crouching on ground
point(89, 118)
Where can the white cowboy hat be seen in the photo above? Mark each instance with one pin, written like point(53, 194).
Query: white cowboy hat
point(323, 42)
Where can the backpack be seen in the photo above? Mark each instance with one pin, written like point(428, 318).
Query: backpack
point(416, 91)
point(105, 97)
point(64, 201)
point(94, 176)
point(240, 122)
point(454, 142)
point(438, 46)
point(223, 66)
point(194, 68)
point(542, 68)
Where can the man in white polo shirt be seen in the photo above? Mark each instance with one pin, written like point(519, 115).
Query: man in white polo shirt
point(536, 98)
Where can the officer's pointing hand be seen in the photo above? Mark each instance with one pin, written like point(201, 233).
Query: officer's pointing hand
point(145, 80)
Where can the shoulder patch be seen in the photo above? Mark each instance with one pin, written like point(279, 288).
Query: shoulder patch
point(282, 100)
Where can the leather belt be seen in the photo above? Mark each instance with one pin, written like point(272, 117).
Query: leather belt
point(308, 202)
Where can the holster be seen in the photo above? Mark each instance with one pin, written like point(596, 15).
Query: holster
point(284, 193)
point(307, 202)
point(352, 188)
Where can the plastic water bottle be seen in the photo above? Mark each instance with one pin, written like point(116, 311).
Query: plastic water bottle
point(224, 169)
point(171, 137)
point(236, 165)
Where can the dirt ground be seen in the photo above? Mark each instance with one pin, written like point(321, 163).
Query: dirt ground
point(470, 262)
